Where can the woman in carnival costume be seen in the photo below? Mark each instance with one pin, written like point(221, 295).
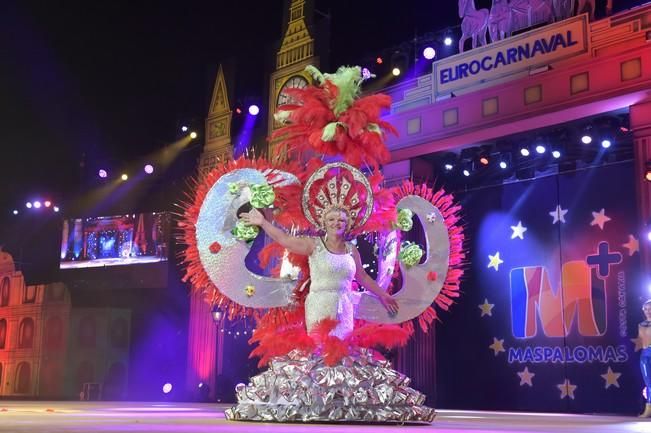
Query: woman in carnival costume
point(644, 334)
point(315, 332)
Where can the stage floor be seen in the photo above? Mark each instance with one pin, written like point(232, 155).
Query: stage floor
point(108, 417)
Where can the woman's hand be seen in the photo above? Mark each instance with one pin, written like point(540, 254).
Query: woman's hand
point(390, 304)
point(254, 217)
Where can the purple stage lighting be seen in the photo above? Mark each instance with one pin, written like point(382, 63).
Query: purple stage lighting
point(254, 110)
point(56, 208)
point(28, 205)
point(586, 139)
point(37, 204)
point(540, 149)
point(606, 143)
point(524, 151)
point(167, 388)
point(15, 211)
point(466, 173)
point(429, 53)
point(102, 173)
point(556, 154)
point(149, 169)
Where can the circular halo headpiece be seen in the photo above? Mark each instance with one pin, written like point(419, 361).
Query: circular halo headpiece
point(337, 185)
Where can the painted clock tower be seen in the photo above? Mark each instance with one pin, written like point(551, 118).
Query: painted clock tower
point(295, 53)
point(218, 144)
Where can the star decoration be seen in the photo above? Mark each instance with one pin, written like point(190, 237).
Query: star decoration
point(486, 308)
point(611, 378)
point(638, 343)
point(633, 245)
point(567, 389)
point(518, 231)
point(249, 290)
point(558, 214)
point(526, 376)
point(497, 346)
point(495, 261)
point(431, 217)
point(599, 218)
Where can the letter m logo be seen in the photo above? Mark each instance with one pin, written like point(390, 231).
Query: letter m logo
point(583, 295)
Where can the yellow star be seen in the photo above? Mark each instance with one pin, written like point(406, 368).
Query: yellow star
point(611, 378)
point(249, 290)
point(486, 308)
point(633, 245)
point(497, 346)
point(495, 261)
point(567, 389)
point(526, 376)
point(599, 218)
point(638, 343)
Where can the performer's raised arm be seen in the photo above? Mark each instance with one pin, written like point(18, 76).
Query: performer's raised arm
point(294, 244)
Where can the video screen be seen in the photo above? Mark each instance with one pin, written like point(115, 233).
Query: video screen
point(120, 240)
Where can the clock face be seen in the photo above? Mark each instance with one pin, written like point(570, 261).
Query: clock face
point(295, 82)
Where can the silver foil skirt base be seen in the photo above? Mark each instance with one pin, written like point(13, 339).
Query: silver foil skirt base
point(300, 388)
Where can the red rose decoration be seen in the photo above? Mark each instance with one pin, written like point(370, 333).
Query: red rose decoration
point(432, 276)
point(215, 247)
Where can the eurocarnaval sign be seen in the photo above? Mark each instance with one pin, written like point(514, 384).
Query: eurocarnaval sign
point(513, 55)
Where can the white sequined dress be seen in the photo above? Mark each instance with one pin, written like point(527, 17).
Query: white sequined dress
point(331, 276)
point(301, 387)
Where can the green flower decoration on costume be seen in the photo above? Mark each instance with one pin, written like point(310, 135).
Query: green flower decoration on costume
point(233, 188)
point(404, 222)
point(410, 253)
point(245, 232)
point(262, 196)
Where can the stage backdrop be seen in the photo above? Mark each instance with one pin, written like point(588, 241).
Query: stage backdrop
point(552, 298)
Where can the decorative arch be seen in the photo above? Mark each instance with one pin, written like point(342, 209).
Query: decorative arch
point(3, 333)
point(26, 333)
point(4, 292)
point(23, 382)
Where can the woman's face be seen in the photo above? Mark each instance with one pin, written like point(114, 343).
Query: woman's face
point(647, 311)
point(336, 222)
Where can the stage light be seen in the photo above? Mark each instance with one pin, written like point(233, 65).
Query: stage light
point(379, 60)
point(47, 203)
point(395, 72)
point(503, 165)
point(216, 314)
point(56, 208)
point(606, 143)
point(193, 135)
point(238, 110)
point(524, 151)
point(447, 41)
point(184, 128)
point(466, 172)
point(37, 204)
point(429, 53)
point(254, 110)
point(556, 154)
point(102, 173)
point(28, 205)
point(483, 160)
point(448, 166)
point(540, 149)
point(586, 139)
point(648, 235)
point(124, 176)
point(201, 384)
point(167, 388)
point(15, 212)
point(149, 169)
